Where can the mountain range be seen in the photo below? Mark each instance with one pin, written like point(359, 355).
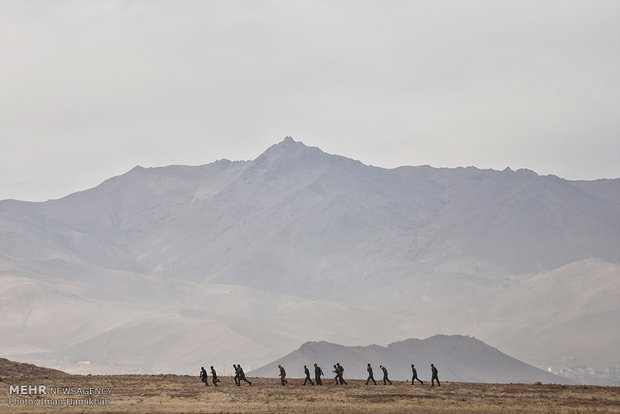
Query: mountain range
point(159, 269)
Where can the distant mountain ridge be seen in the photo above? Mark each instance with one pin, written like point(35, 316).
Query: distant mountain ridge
point(258, 252)
point(458, 358)
point(442, 209)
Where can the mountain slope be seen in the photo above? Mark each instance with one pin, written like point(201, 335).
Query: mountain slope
point(14, 370)
point(300, 202)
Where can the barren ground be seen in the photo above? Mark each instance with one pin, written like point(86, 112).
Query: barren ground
point(185, 394)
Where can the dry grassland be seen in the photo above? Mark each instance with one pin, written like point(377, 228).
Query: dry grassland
point(185, 394)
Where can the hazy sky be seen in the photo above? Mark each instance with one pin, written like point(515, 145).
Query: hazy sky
point(89, 89)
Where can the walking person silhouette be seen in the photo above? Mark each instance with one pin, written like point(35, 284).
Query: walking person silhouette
point(307, 372)
point(434, 377)
point(317, 374)
point(385, 375)
point(414, 377)
point(282, 375)
point(242, 376)
point(214, 375)
point(370, 376)
point(203, 376)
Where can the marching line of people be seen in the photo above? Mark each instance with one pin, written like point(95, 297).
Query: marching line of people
point(205, 378)
point(318, 372)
